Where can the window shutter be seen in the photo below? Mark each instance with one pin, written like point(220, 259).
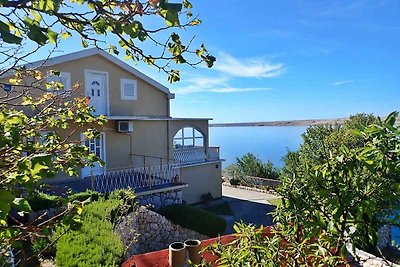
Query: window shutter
point(128, 89)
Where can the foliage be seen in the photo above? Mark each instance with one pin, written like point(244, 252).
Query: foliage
point(84, 196)
point(95, 243)
point(353, 188)
point(336, 199)
point(234, 181)
point(250, 165)
point(320, 141)
point(194, 218)
point(41, 201)
point(42, 22)
point(283, 245)
point(221, 209)
point(28, 155)
point(207, 197)
point(34, 112)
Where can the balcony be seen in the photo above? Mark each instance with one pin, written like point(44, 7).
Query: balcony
point(141, 179)
point(195, 155)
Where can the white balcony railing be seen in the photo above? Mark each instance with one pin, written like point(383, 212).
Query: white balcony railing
point(193, 155)
point(213, 153)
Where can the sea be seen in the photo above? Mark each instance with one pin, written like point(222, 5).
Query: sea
point(266, 142)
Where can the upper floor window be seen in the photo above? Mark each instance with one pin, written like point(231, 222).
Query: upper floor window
point(188, 137)
point(64, 79)
point(128, 89)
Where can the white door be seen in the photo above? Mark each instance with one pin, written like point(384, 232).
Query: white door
point(97, 147)
point(96, 91)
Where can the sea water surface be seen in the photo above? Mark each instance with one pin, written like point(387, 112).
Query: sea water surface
point(266, 142)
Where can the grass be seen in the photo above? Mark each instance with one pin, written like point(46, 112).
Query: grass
point(275, 201)
point(221, 209)
point(197, 219)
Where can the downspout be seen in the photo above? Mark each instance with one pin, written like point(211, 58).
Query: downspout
point(169, 116)
point(168, 146)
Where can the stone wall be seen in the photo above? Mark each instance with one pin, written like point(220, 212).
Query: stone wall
point(161, 199)
point(365, 259)
point(144, 231)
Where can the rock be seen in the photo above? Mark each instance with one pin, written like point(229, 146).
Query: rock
point(144, 231)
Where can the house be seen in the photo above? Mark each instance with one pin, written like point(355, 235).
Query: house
point(141, 144)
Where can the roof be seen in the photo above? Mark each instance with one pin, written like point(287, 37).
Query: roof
point(92, 52)
point(160, 258)
point(152, 118)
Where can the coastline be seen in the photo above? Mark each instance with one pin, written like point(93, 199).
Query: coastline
point(309, 122)
point(280, 123)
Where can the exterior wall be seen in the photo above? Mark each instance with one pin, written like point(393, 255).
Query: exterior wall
point(150, 100)
point(201, 179)
point(149, 138)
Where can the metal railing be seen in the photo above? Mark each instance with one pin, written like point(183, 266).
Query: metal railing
point(139, 160)
point(213, 153)
point(192, 155)
point(136, 178)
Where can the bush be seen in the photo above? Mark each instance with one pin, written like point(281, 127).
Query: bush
point(207, 197)
point(95, 243)
point(194, 218)
point(41, 201)
point(82, 196)
point(250, 165)
point(234, 181)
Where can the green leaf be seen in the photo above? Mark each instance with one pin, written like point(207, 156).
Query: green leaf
point(171, 14)
point(187, 4)
point(7, 36)
point(6, 198)
point(52, 36)
point(36, 34)
point(66, 35)
point(21, 204)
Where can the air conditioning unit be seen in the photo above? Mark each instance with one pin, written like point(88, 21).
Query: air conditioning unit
point(125, 126)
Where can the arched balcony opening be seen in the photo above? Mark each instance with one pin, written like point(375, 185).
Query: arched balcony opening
point(188, 137)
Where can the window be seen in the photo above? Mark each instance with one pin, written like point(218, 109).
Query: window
point(188, 137)
point(128, 89)
point(64, 79)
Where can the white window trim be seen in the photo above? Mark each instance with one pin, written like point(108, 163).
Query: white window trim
point(123, 96)
point(67, 86)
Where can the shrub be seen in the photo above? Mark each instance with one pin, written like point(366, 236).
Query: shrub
point(95, 243)
point(41, 201)
point(234, 181)
point(250, 165)
point(194, 218)
point(344, 184)
point(82, 196)
point(207, 197)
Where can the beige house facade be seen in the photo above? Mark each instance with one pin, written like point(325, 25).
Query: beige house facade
point(141, 144)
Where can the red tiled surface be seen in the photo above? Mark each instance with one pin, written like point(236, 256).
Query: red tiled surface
point(160, 258)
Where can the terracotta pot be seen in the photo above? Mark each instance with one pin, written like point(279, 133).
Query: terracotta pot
point(177, 254)
point(193, 247)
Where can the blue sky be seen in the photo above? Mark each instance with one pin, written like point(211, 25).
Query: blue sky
point(290, 59)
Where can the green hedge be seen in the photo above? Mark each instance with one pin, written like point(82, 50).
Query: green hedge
point(194, 218)
point(95, 243)
point(82, 196)
point(41, 201)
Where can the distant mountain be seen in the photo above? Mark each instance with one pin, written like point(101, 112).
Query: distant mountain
point(284, 123)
